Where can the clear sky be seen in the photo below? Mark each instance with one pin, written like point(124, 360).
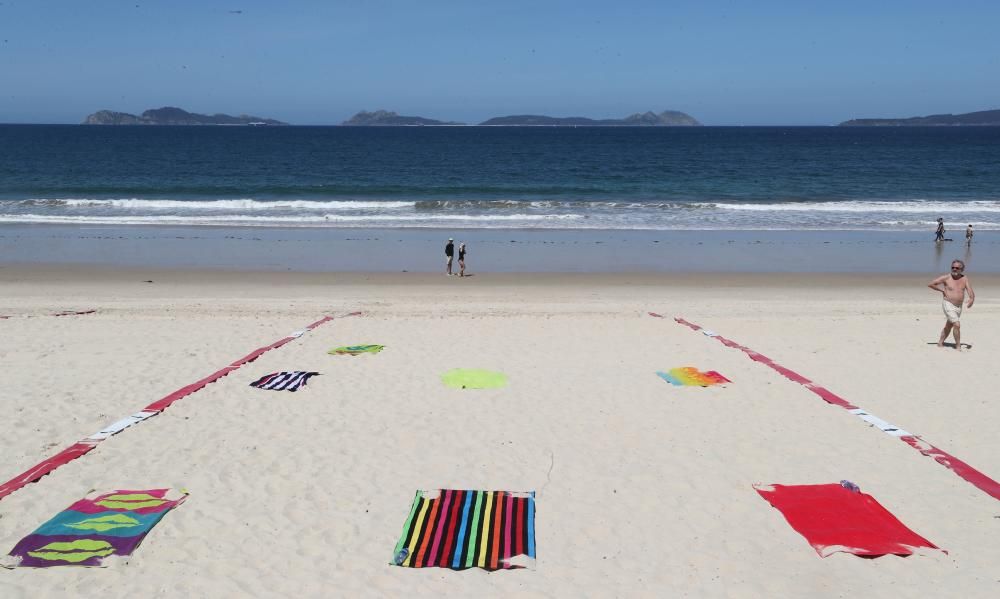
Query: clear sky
point(760, 62)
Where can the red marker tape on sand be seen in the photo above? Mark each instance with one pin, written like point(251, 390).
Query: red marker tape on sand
point(85, 445)
point(42, 468)
point(962, 469)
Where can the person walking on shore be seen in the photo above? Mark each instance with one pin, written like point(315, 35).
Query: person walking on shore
point(968, 235)
point(953, 288)
point(461, 259)
point(449, 254)
point(939, 233)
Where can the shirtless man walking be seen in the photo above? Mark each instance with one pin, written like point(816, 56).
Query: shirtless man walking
point(953, 288)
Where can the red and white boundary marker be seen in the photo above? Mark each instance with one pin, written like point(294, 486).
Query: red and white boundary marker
point(85, 445)
point(962, 469)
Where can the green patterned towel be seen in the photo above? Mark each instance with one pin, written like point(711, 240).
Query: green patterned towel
point(356, 349)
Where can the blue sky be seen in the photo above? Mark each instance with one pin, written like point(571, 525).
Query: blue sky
point(319, 62)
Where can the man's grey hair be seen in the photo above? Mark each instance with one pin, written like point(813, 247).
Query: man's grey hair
point(960, 262)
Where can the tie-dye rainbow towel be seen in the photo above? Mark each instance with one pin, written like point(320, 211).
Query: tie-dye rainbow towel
point(98, 526)
point(354, 350)
point(688, 376)
point(492, 530)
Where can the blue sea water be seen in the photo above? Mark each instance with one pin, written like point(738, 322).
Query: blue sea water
point(723, 178)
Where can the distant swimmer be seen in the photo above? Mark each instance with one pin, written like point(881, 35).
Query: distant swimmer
point(953, 288)
point(939, 233)
point(461, 259)
point(968, 235)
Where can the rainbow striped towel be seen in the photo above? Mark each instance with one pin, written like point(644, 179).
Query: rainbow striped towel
point(688, 376)
point(99, 525)
point(492, 530)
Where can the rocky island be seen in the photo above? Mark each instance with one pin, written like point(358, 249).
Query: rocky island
point(667, 118)
point(983, 118)
point(169, 115)
point(386, 118)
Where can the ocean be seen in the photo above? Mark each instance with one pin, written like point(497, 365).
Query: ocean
point(658, 179)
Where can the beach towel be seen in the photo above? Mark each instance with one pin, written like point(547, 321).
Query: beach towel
point(283, 381)
point(354, 350)
point(839, 517)
point(467, 378)
point(101, 525)
point(689, 376)
point(493, 530)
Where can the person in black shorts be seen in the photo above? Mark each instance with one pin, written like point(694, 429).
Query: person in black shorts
point(449, 253)
point(461, 259)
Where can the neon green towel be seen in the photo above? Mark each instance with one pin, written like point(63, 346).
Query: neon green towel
point(468, 378)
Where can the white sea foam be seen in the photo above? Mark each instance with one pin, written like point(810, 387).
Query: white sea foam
point(277, 220)
point(926, 224)
point(218, 205)
point(912, 206)
point(250, 205)
point(455, 217)
point(513, 221)
point(909, 215)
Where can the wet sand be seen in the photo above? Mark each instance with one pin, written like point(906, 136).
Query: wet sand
point(493, 250)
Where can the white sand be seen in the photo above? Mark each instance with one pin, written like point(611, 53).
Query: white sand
point(643, 488)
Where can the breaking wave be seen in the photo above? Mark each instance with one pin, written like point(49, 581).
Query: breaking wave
point(656, 214)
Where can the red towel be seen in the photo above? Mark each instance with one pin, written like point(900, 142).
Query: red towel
point(833, 518)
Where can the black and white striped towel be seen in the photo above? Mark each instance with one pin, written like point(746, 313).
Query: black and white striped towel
point(283, 381)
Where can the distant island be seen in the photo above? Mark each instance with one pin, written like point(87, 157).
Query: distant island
point(169, 115)
point(667, 118)
point(385, 118)
point(982, 118)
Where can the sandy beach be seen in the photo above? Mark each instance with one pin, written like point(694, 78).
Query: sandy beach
point(642, 488)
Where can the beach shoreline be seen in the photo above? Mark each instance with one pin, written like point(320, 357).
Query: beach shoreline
point(492, 250)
